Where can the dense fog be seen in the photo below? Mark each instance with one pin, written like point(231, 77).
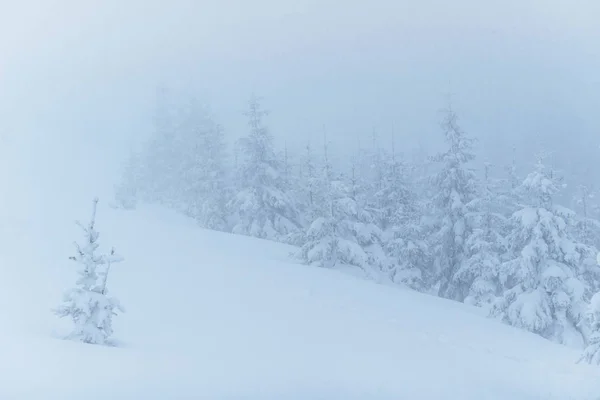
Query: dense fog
point(79, 78)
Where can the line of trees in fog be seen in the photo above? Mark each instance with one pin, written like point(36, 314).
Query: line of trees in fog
point(493, 238)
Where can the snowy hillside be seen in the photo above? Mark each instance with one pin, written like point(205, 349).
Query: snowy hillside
point(218, 316)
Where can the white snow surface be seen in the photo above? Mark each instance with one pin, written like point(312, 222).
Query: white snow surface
point(216, 316)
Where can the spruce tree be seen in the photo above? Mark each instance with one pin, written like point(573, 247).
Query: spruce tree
point(88, 304)
point(400, 215)
point(544, 289)
point(587, 228)
point(261, 205)
point(343, 233)
point(455, 188)
point(201, 162)
point(485, 246)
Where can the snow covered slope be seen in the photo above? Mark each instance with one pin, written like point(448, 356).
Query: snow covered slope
point(217, 316)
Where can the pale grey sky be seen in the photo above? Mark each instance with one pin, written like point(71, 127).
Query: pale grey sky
point(78, 77)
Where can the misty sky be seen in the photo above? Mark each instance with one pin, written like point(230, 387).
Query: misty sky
point(78, 77)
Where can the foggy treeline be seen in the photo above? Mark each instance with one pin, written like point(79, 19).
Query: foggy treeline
point(494, 236)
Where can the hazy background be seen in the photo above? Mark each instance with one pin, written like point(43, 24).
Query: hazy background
point(78, 78)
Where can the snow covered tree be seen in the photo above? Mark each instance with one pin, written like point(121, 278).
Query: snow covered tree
point(262, 207)
point(159, 177)
point(512, 175)
point(88, 304)
point(398, 213)
point(371, 173)
point(591, 353)
point(587, 228)
point(544, 290)
point(211, 202)
point(200, 146)
point(182, 166)
point(312, 184)
point(320, 245)
point(343, 232)
point(343, 235)
point(485, 246)
point(455, 188)
point(287, 168)
point(379, 182)
point(507, 191)
point(298, 187)
point(365, 218)
point(410, 257)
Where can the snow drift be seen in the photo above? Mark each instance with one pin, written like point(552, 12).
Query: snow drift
point(213, 315)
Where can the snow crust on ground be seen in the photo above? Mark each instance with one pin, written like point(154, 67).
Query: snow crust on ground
point(217, 316)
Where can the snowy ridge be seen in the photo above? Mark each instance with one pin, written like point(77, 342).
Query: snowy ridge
point(219, 316)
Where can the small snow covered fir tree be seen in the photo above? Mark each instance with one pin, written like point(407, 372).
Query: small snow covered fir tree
point(545, 292)
point(88, 304)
